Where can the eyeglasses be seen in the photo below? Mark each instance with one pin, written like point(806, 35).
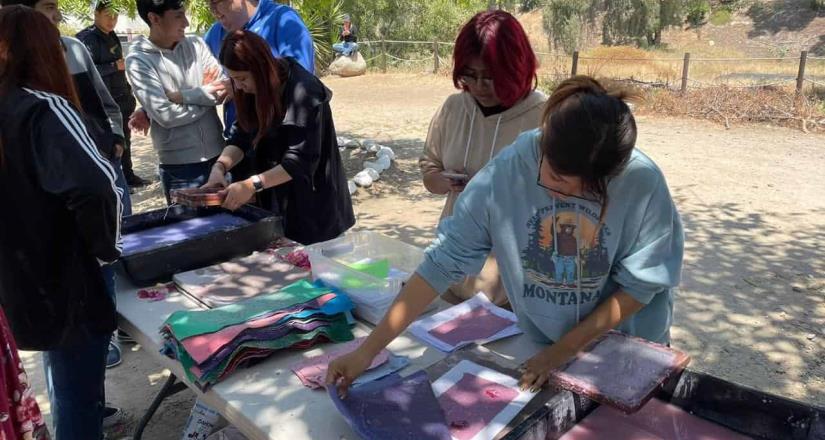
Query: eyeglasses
point(468, 79)
point(555, 191)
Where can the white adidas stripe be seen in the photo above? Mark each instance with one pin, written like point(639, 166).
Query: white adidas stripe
point(71, 121)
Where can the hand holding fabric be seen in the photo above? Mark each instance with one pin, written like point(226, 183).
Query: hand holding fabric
point(343, 371)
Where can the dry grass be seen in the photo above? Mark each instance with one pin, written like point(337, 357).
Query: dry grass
point(665, 67)
point(727, 105)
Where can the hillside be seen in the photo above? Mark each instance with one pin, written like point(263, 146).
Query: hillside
point(766, 29)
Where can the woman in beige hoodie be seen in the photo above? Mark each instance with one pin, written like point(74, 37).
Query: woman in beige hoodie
point(495, 68)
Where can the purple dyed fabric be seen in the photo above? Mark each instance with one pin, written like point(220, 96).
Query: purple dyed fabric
point(166, 235)
point(393, 408)
point(472, 403)
point(475, 325)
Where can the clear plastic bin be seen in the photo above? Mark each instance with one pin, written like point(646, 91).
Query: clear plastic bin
point(330, 262)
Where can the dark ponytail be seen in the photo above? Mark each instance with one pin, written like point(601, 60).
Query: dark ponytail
point(589, 132)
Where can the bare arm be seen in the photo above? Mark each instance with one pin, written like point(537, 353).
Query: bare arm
point(410, 303)
point(606, 316)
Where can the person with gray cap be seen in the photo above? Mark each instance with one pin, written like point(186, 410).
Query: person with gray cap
point(348, 37)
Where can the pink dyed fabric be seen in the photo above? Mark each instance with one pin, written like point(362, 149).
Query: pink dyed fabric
point(475, 325)
point(313, 371)
point(656, 420)
point(201, 347)
point(472, 403)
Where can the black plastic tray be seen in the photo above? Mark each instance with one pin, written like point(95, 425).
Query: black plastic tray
point(158, 265)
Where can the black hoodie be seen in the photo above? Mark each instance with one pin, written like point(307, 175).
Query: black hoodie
point(315, 204)
point(60, 220)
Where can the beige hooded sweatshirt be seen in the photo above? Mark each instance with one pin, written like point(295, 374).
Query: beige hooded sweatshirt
point(461, 139)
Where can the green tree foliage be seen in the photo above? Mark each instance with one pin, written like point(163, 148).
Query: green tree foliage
point(564, 21)
point(419, 20)
point(698, 12)
point(640, 21)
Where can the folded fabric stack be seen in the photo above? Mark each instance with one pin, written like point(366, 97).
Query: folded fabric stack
point(211, 344)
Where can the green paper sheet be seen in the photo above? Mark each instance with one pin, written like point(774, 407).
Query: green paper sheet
point(379, 269)
point(185, 324)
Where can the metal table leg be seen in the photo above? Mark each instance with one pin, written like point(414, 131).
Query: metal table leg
point(169, 388)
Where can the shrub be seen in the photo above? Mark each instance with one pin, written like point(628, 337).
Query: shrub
point(720, 17)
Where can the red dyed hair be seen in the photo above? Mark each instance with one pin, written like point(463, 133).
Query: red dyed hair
point(244, 51)
point(31, 55)
point(501, 43)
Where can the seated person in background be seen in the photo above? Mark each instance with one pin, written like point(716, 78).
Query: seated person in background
point(179, 84)
point(348, 37)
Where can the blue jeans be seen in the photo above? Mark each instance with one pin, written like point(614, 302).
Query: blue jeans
point(75, 378)
point(346, 49)
point(189, 175)
point(565, 269)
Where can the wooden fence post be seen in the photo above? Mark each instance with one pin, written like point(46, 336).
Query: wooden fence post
point(685, 71)
point(800, 77)
point(575, 67)
point(383, 56)
point(435, 57)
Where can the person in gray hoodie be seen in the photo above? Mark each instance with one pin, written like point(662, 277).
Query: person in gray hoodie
point(179, 84)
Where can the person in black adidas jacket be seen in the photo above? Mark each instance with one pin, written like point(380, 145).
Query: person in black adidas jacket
point(60, 222)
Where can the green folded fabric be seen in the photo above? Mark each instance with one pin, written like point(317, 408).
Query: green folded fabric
point(185, 324)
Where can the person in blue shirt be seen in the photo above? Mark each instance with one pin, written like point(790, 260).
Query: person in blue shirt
point(584, 229)
point(279, 25)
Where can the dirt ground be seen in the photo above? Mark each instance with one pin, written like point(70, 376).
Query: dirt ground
point(751, 308)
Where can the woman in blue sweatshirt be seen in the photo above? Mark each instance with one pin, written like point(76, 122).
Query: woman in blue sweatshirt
point(586, 234)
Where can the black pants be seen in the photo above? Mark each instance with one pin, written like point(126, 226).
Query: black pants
point(127, 106)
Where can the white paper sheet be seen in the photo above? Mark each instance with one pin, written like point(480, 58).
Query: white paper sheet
point(500, 421)
point(422, 327)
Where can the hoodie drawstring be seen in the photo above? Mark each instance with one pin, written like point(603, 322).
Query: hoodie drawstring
point(495, 138)
point(469, 138)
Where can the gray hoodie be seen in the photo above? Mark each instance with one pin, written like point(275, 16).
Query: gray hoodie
point(181, 133)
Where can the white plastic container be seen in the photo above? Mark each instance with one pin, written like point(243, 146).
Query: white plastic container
point(330, 263)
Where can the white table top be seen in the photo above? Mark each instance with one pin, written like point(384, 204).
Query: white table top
point(268, 401)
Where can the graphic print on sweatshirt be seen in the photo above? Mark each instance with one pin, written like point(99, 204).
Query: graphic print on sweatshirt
point(566, 258)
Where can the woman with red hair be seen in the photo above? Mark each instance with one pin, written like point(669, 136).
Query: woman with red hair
point(284, 123)
point(495, 69)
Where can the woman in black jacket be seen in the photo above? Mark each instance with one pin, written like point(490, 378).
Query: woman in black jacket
point(60, 221)
point(285, 123)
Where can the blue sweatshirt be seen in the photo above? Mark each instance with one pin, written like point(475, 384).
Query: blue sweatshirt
point(282, 28)
point(556, 264)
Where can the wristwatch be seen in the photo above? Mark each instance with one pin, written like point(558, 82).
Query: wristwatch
point(257, 183)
